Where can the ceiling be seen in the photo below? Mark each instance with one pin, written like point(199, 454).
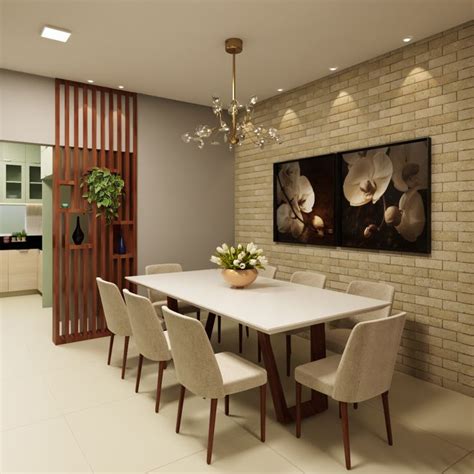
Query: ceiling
point(175, 48)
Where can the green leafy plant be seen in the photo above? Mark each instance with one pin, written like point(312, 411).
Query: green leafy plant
point(105, 189)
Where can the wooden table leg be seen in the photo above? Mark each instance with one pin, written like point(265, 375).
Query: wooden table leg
point(211, 317)
point(318, 402)
point(172, 304)
point(283, 415)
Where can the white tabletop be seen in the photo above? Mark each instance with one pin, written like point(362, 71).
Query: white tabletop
point(269, 306)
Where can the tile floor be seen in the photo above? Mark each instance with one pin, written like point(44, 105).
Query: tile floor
point(63, 410)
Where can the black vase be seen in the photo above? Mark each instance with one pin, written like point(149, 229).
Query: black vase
point(78, 235)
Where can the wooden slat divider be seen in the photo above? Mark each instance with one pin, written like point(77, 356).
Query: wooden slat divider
point(77, 313)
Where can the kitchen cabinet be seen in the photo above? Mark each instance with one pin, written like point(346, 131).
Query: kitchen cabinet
point(19, 270)
point(3, 271)
point(12, 179)
point(34, 189)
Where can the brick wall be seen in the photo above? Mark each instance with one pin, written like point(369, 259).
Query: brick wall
point(423, 89)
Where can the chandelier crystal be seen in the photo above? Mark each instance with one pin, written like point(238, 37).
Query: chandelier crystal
point(240, 126)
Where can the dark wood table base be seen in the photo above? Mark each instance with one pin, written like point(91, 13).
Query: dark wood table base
point(284, 414)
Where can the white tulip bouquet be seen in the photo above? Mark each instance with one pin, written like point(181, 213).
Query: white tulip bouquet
point(242, 257)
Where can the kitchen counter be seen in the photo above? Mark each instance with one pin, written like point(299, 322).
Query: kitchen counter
point(32, 242)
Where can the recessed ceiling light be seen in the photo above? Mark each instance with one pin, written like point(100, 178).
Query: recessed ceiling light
point(56, 34)
point(90, 81)
point(407, 39)
point(280, 90)
point(121, 87)
point(332, 69)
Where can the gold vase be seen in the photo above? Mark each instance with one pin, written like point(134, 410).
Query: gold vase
point(239, 278)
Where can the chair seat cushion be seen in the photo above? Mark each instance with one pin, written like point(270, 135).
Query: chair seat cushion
point(336, 338)
point(319, 375)
point(239, 374)
point(183, 308)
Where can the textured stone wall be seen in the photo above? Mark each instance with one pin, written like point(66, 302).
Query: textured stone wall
point(422, 89)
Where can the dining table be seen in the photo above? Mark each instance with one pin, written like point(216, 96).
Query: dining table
point(270, 307)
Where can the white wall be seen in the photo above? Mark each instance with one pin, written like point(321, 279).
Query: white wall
point(185, 195)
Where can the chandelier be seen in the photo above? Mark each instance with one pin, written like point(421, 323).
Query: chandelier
point(241, 126)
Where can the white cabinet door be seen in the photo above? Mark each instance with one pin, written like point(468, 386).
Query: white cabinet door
point(34, 184)
point(4, 271)
point(22, 270)
point(13, 182)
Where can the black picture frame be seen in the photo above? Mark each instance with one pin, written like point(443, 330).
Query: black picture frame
point(339, 205)
point(322, 173)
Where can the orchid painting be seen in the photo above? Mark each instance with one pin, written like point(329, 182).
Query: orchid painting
point(385, 202)
point(304, 200)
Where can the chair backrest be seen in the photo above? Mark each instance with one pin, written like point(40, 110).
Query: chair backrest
point(318, 280)
point(194, 360)
point(268, 272)
point(115, 311)
point(146, 327)
point(368, 361)
point(161, 268)
point(370, 289)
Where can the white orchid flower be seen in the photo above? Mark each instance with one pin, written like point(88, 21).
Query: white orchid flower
point(410, 168)
point(289, 221)
point(225, 247)
point(242, 266)
point(253, 261)
point(220, 250)
point(239, 247)
point(232, 250)
point(241, 255)
point(413, 215)
point(288, 178)
point(368, 178)
point(236, 262)
point(217, 260)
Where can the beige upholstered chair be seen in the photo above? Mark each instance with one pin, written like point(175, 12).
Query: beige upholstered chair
point(150, 339)
point(337, 332)
point(268, 272)
point(116, 316)
point(364, 371)
point(207, 374)
point(159, 299)
point(317, 280)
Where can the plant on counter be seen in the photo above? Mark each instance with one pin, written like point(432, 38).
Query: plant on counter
point(242, 257)
point(105, 189)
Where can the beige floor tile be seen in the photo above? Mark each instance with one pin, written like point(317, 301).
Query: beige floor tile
point(233, 454)
point(25, 400)
point(47, 446)
point(464, 466)
point(442, 412)
point(128, 435)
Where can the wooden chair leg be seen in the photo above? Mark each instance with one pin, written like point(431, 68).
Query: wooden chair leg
point(161, 368)
point(212, 424)
point(125, 352)
point(259, 352)
point(111, 344)
point(288, 355)
point(356, 405)
point(340, 414)
point(227, 405)
point(241, 328)
point(298, 410)
point(198, 315)
point(180, 407)
point(139, 373)
point(219, 329)
point(345, 433)
point(386, 412)
point(263, 411)
point(247, 331)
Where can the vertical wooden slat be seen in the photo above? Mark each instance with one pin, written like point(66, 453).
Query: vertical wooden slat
point(134, 182)
point(112, 164)
point(119, 169)
point(95, 309)
point(128, 200)
point(65, 237)
point(85, 251)
point(75, 254)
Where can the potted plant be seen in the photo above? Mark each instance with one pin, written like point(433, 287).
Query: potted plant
point(105, 189)
point(239, 263)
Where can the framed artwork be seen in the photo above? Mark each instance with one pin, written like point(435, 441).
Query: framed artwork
point(385, 197)
point(376, 198)
point(304, 202)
